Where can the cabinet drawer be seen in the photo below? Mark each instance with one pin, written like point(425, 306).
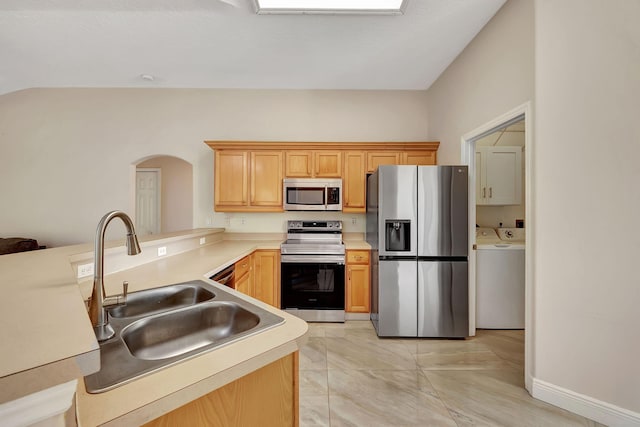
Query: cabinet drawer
point(357, 257)
point(242, 267)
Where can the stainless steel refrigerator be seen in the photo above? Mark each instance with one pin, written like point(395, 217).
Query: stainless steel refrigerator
point(417, 226)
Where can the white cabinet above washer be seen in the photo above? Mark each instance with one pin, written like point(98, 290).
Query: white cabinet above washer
point(498, 175)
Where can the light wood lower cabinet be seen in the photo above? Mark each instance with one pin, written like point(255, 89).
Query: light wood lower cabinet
point(267, 397)
point(258, 275)
point(358, 286)
point(244, 280)
point(266, 272)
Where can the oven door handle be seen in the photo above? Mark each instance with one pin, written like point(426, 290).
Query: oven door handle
point(316, 259)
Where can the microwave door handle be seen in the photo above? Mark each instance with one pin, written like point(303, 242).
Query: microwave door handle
point(326, 197)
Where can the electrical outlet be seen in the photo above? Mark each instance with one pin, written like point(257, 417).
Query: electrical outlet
point(85, 270)
point(243, 220)
point(162, 250)
point(202, 240)
point(354, 221)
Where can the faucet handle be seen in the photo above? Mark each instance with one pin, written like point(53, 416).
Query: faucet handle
point(117, 299)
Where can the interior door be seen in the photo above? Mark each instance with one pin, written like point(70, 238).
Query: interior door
point(148, 201)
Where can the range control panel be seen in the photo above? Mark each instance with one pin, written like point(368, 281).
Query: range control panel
point(299, 226)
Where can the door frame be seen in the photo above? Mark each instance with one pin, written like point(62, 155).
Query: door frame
point(158, 172)
point(467, 150)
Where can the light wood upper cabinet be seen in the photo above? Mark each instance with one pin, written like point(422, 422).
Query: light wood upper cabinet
point(266, 179)
point(357, 282)
point(313, 164)
point(248, 181)
point(327, 164)
point(375, 159)
point(231, 179)
point(249, 174)
point(354, 182)
point(266, 272)
point(298, 164)
point(420, 158)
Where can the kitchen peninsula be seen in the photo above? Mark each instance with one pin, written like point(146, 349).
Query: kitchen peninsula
point(49, 339)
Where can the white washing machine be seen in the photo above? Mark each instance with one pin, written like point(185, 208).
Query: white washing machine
point(500, 278)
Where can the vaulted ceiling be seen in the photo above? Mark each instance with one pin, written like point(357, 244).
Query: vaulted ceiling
point(224, 44)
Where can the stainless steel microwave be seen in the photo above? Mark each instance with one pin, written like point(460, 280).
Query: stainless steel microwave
point(312, 194)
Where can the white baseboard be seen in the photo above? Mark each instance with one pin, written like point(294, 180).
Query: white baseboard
point(588, 407)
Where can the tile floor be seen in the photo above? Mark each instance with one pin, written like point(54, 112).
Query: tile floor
point(350, 377)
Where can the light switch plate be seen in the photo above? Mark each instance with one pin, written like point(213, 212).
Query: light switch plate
point(162, 250)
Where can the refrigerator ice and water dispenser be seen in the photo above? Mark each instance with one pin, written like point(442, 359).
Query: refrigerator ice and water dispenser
point(397, 235)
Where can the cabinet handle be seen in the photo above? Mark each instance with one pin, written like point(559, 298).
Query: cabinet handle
point(490, 192)
point(484, 192)
point(349, 275)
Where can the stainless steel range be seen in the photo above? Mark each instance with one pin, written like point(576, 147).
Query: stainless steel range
point(312, 271)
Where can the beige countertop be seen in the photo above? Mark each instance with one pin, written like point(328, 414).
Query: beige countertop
point(44, 318)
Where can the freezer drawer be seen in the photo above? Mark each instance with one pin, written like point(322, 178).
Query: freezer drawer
point(397, 305)
point(443, 299)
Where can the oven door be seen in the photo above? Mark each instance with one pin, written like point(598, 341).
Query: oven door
point(312, 282)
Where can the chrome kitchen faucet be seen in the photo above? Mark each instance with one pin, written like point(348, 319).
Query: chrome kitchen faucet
point(99, 302)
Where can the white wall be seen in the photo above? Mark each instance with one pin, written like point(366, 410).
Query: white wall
point(491, 76)
point(587, 205)
point(66, 154)
point(176, 187)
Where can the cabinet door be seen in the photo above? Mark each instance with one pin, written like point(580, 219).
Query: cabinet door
point(267, 276)
point(266, 179)
point(357, 289)
point(327, 164)
point(498, 175)
point(354, 182)
point(375, 159)
point(420, 158)
point(243, 271)
point(358, 283)
point(231, 173)
point(298, 164)
point(504, 175)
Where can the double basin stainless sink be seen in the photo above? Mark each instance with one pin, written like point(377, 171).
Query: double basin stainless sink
point(163, 326)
